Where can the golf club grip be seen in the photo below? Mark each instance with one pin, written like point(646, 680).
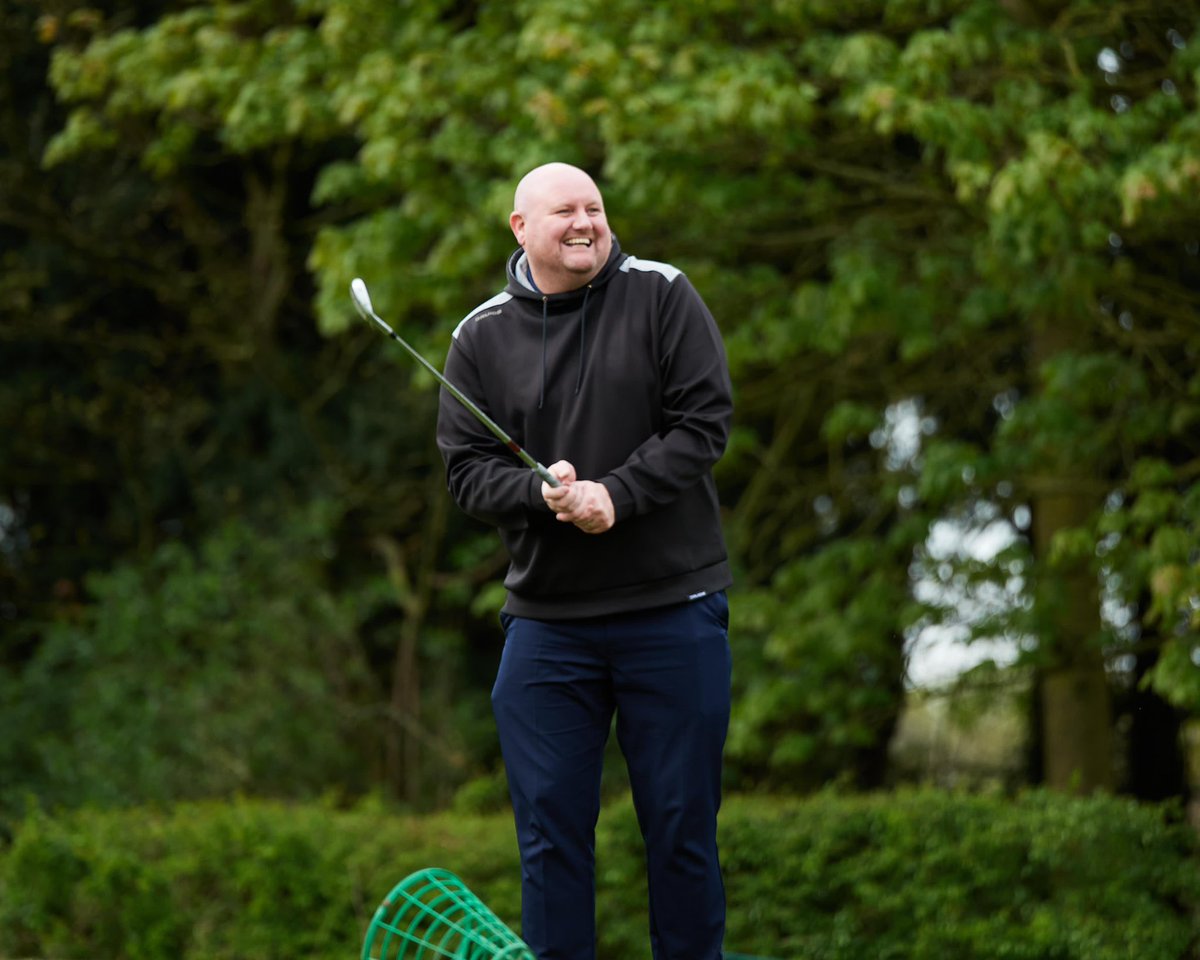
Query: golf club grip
point(551, 479)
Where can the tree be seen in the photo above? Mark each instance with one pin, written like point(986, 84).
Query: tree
point(949, 243)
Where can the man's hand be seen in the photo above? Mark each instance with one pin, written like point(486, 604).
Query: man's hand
point(584, 503)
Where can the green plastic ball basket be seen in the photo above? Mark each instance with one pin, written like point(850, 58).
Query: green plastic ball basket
point(431, 915)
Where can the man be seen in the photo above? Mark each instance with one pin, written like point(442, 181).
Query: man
point(614, 368)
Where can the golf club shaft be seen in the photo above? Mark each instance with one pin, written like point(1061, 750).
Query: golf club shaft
point(362, 301)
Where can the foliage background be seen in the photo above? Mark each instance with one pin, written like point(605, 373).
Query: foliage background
point(953, 249)
point(918, 875)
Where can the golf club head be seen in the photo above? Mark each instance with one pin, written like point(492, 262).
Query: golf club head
point(362, 302)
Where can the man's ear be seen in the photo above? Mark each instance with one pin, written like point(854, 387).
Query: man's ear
point(517, 222)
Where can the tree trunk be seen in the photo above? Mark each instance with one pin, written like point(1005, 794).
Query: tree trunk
point(1076, 712)
point(407, 735)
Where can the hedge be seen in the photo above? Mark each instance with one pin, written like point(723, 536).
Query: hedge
point(915, 875)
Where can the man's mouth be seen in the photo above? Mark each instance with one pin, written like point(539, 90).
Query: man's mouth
point(578, 242)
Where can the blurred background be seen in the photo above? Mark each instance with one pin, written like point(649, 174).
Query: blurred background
point(953, 247)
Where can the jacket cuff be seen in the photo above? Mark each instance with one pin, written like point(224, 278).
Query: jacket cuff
point(622, 499)
point(533, 493)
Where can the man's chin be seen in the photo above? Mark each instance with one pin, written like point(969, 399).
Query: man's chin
point(578, 267)
point(588, 260)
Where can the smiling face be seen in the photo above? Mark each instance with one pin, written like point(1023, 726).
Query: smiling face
point(558, 217)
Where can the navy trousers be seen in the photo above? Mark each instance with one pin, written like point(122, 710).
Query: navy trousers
point(666, 674)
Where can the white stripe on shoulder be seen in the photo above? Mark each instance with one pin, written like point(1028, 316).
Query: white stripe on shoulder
point(668, 271)
point(478, 313)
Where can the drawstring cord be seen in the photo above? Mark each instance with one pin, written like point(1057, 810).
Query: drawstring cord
point(582, 331)
point(582, 343)
point(542, 391)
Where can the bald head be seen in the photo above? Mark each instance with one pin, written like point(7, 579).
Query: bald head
point(558, 217)
point(549, 177)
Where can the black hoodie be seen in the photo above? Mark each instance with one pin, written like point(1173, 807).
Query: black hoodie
point(626, 379)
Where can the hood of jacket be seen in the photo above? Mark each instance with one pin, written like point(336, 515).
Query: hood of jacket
point(520, 285)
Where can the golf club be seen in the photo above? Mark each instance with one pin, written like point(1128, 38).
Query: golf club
point(362, 301)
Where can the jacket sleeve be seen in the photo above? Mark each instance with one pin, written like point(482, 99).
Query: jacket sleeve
point(697, 408)
point(483, 476)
